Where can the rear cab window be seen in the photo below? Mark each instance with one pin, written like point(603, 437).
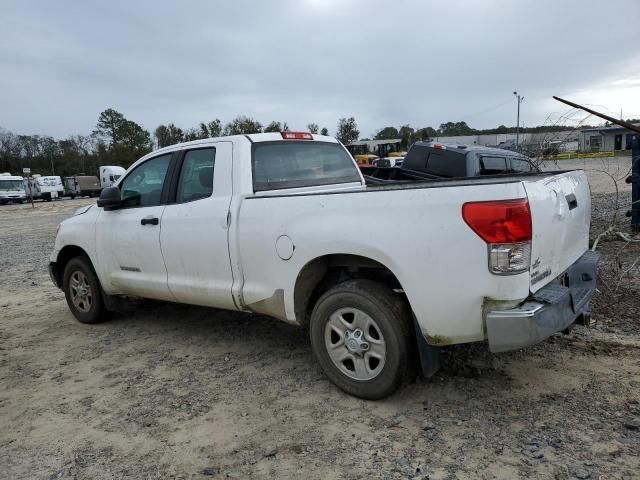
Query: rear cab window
point(295, 164)
point(438, 162)
point(493, 165)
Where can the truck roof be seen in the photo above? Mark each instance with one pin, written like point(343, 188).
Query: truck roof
point(7, 176)
point(252, 137)
point(463, 149)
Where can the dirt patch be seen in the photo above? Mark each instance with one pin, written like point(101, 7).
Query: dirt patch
point(166, 391)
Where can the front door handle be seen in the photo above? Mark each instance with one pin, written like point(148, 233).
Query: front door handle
point(149, 221)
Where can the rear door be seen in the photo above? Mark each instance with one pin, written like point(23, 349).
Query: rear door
point(560, 216)
point(195, 227)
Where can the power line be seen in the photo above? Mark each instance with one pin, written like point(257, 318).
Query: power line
point(510, 100)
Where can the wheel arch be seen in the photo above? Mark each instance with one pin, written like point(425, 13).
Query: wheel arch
point(323, 272)
point(64, 256)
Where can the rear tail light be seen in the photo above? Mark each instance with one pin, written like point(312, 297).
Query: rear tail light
point(297, 136)
point(505, 225)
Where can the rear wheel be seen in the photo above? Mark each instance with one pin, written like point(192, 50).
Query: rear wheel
point(83, 292)
point(360, 335)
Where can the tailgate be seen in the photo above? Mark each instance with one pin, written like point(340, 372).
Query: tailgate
point(560, 219)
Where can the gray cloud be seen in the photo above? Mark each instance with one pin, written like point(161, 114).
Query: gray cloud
point(386, 63)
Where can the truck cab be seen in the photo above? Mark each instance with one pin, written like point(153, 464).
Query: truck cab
point(450, 160)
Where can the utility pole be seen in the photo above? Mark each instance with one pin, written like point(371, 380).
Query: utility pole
point(520, 100)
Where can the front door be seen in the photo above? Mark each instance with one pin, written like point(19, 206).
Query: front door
point(617, 142)
point(128, 239)
point(195, 227)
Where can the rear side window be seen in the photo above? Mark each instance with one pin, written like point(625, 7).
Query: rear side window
point(287, 164)
point(493, 165)
point(196, 176)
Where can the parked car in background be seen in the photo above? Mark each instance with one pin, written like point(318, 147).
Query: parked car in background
point(82, 186)
point(11, 189)
point(429, 161)
point(110, 174)
point(45, 187)
point(285, 225)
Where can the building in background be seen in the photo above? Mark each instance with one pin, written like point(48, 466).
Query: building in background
point(605, 139)
point(564, 141)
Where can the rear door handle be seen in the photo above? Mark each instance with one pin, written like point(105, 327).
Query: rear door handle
point(149, 221)
point(572, 201)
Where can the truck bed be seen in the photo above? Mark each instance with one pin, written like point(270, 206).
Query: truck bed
point(405, 178)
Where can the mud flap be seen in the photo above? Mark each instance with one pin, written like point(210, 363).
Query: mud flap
point(429, 355)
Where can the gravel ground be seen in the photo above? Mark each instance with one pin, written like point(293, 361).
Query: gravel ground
point(167, 391)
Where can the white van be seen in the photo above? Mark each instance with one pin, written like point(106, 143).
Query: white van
point(110, 174)
point(11, 189)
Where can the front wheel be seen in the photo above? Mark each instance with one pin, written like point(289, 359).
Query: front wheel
point(83, 292)
point(360, 336)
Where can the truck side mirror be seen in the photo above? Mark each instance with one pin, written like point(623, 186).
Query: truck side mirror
point(110, 198)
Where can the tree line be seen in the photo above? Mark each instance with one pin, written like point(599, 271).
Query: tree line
point(117, 140)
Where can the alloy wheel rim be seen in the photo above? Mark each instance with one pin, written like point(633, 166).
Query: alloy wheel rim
point(81, 295)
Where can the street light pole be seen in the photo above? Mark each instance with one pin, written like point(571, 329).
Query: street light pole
point(520, 100)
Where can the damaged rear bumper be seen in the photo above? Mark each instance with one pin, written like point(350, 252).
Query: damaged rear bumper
point(553, 308)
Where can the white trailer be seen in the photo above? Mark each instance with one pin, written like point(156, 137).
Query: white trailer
point(46, 187)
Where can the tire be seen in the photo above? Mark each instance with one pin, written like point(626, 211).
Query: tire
point(376, 361)
point(73, 197)
point(83, 291)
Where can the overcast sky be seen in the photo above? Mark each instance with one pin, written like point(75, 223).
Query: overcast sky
point(383, 62)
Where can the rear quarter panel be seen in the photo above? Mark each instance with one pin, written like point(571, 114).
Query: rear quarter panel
point(418, 233)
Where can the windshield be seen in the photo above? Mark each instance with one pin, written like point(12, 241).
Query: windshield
point(287, 164)
point(11, 185)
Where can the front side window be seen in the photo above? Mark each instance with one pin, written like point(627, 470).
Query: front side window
point(493, 165)
point(143, 186)
point(196, 175)
point(286, 164)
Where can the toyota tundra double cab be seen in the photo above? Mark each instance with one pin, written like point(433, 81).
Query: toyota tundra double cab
point(285, 225)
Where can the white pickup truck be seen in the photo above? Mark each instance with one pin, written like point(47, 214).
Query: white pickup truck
point(285, 225)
